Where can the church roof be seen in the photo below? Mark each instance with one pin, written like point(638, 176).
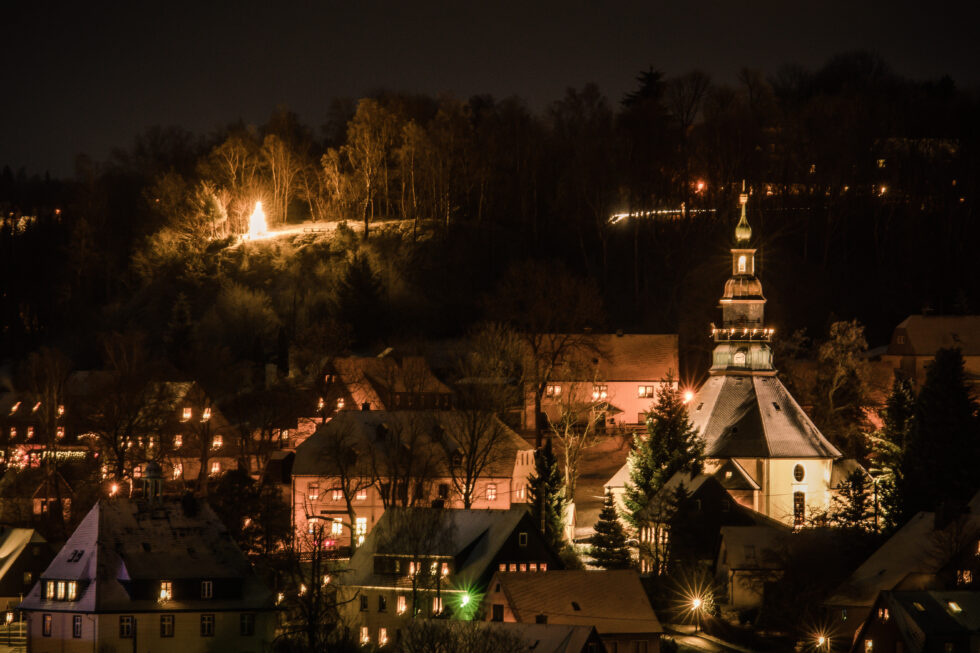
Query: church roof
point(742, 416)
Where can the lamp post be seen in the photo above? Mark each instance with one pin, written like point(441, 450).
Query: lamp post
point(823, 643)
point(696, 604)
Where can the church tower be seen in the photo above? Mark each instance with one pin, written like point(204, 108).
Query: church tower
point(770, 455)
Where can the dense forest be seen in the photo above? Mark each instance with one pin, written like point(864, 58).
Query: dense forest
point(863, 192)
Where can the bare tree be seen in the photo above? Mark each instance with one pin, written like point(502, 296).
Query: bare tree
point(434, 636)
point(581, 410)
point(474, 442)
point(285, 168)
point(405, 459)
point(349, 468)
point(370, 139)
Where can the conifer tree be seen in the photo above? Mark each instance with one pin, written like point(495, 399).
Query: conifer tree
point(546, 494)
point(671, 445)
point(887, 448)
point(853, 505)
point(937, 468)
point(609, 549)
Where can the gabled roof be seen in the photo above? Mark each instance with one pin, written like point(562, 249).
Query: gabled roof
point(13, 541)
point(472, 537)
point(633, 357)
point(915, 551)
point(369, 378)
point(925, 334)
point(743, 416)
point(613, 601)
point(550, 638)
point(122, 540)
point(933, 614)
point(371, 433)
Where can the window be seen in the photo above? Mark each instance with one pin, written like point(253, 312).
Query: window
point(49, 590)
point(498, 612)
point(28, 577)
point(138, 471)
point(881, 163)
point(382, 636)
point(799, 473)
point(166, 590)
point(178, 441)
point(883, 615)
point(340, 403)
point(523, 567)
point(533, 566)
point(246, 624)
point(444, 490)
point(436, 605)
point(869, 645)
point(502, 566)
point(206, 414)
point(215, 468)
point(361, 495)
point(360, 527)
point(644, 392)
point(59, 432)
point(207, 589)
point(76, 626)
point(207, 625)
point(61, 410)
point(71, 592)
point(739, 358)
point(520, 492)
point(337, 527)
point(126, 626)
point(364, 603)
point(166, 625)
point(178, 471)
point(512, 566)
point(382, 603)
point(600, 392)
point(186, 414)
point(522, 539)
point(217, 442)
point(401, 604)
point(964, 577)
point(553, 390)
point(337, 495)
point(313, 491)
point(491, 491)
point(799, 508)
point(954, 607)
point(365, 635)
point(46, 625)
point(742, 264)
point(61, 590)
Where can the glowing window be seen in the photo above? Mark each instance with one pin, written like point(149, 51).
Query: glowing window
point(436, 604)
point(178, 441)
point(869, 646)
point(178, 470)
point(361, 495)
point(553, 390)
point(543, 566)
point(217, 442)
point(49, 590)
point(739, 358)
point(360, 526)
point(72, 591)
point(60, 432)
point(365, 635)
point(313, 491)
point(186, 413)
point(46, 626)
point(61, 590)
point(337, 526)
point(206, 415)
point(644, 391)
point(382, 636)
point(215, 468)
point(402, 604)
point(742, 262)
point(964, 577)
point(491, 491)
point(166, 590)
point(340, 403)
point(600, 392)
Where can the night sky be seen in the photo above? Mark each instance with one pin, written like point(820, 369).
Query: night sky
point(87, 76)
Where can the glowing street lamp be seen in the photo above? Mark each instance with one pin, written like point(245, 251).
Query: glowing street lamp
point(696, 605)
point(688, 396)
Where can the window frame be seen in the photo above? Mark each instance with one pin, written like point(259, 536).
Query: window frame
point(207, 589)
point(46, 624)
point(246, 624)
point(207, 625)
point(127, 625)
point(76, 626)
point(167, 622)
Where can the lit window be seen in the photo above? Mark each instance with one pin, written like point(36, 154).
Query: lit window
point(71, 591)
point(360, 527)
point(543, 566)
point(365, 635)
point(491, 491)
point(361, 495)
point(61, 410)
point(178, 470)
point(166, 625)
point(644, 391)
point(76, 626)
point(883, 614)
point(217, 442)
point(954, 607)
point(600, 392)
point(30, 432)
point(502, 566)
point(178, 441)
point(338, 495)
point(964, 576)
point(340, 403)
point(445, 569)
point(436, 605)
point(799, 508)
point(742, 263)
point(49, 590)
point(523, 567)
point(207, 589)
point(207, 625)
point(313, 491)
point(382, 636)
point(739, 358)
point(512, 567)
point(206, 414)
point(337, 527)
point(61, 590)
point(533, 566)
point(215, 468)
point(166, 590)
point(320, 404)
point(869, 646)
point(402, 604)
point(13, 432)
point(46, 625)
point(553, 390)
point(126, 626)
point(59, 432)
point(187, 413)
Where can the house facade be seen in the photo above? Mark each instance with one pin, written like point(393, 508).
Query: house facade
point(24, 554)
point(900, 622)
point(149, 575)
point(916, 339)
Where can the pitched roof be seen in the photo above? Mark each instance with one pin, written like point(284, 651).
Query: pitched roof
point(122, 540)
point(742, 416)
point(370, 378)
point(933, 614)
point(915, 549)
point(472, 537)
point(13, 541)
point(925, 334)
point(635, 357)
point(548, 638)
point(613, 601)
point(375, 432)
point(753, 547)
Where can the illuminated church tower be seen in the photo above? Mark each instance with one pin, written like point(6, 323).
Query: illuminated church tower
point(770, 455)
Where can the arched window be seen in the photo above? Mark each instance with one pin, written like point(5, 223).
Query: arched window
point(739, 358)
point(741, 263)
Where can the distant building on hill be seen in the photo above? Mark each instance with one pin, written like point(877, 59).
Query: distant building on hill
point(916, 339)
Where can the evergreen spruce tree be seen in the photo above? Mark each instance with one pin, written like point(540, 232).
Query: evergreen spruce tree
point(609, 549)
point(546, 494)
point(937, 467)
point(853, 505)
point(360, 301)
point(887, 448)
point(671, 445)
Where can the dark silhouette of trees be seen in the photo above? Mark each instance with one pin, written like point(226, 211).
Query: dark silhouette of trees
point(547, 498)
point(608, 543)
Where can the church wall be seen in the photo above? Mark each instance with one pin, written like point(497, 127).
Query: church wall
point(781, 485)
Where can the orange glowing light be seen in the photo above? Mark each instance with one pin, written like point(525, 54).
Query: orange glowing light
point(688, 396)
point(256, 223)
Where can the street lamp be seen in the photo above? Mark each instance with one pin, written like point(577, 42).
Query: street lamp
point(696, 604)
point(823, 643)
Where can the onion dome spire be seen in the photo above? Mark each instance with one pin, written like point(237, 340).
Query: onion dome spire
point(743, 232)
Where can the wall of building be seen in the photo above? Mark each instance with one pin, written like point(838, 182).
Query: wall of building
point(780, 486)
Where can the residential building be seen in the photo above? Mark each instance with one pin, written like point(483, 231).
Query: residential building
point(913, 621)
point(749, 557)
point(431, 561)
point(32, 430)
point(916, 339)
point(362, 462)
point(24, 554)
point(386, 382)
point(149, 574)
point(613, 601)
point(617, 375)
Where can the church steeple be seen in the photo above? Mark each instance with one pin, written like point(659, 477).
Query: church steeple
point(743, 342)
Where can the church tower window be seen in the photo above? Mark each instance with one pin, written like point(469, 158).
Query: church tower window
point(741, 264)
point(739, 358)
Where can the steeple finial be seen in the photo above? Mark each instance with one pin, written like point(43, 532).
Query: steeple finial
point(743, 232)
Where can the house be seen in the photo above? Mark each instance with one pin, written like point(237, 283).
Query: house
point(32, 430)
point(38, 497)
point(163, 573)
point(385, 382)
point(914, 621)
point(748, 557)
point(432, 561)
point(361, 462)
point(922, 555)
point(916, 339)
point(613, 601)
point(24, 554)
point(619, 373)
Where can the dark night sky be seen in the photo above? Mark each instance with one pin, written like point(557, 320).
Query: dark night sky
point(87, 76)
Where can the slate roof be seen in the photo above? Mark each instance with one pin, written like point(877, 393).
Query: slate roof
point(924, 334)
point(634, 357)
point(472, 537)
point(754, 416)
point(122, 540)
point(369, 378)
point(613, 600)
point(364, 430)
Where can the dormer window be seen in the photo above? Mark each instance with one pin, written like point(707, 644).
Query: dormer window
point(49, 590)
point(742, 264)
point(166, 590)
point(60, 593)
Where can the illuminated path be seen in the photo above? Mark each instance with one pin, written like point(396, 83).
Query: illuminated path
point(311, 228)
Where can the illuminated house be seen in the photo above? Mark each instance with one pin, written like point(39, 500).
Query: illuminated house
point(32, 428)
point(618, 373)
point(903, 622)
point(160, 573)
point(374, 459)
point(436, 562)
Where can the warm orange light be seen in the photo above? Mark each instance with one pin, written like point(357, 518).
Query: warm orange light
point(256, 223)
point(700, 186)
point(688, 396)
